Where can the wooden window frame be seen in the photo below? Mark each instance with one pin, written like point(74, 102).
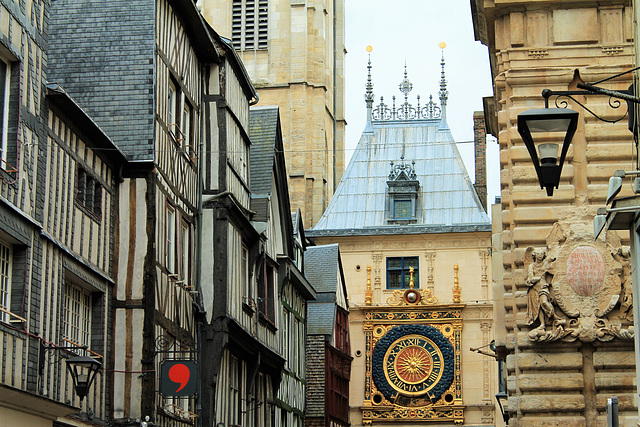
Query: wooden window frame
point(6, 268)
point(88, 193)
point(170, 242)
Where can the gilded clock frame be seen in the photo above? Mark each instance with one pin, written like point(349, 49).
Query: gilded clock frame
point(447, 319)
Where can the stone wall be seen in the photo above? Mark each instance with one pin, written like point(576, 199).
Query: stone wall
point(567, 326)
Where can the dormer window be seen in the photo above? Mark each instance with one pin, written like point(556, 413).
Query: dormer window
point(402, 193)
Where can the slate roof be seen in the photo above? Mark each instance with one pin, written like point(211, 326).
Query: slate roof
point(263, 131)
point(321, 318)
point(447, 199)
point(321, 265)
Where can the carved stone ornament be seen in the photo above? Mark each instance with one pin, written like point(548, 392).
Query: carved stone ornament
point(578, 289)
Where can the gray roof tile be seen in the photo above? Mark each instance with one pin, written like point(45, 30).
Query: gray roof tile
point(446, 196)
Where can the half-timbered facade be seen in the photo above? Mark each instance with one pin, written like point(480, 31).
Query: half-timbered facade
point(296, 292)
point(255, 293)
point(144, 85)
point(59, 175)
point(328, 348)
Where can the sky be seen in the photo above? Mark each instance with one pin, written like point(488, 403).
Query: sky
point(410, 31)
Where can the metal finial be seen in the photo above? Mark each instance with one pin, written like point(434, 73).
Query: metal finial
point(369, 93)
point(444, 94)
point(405, 85)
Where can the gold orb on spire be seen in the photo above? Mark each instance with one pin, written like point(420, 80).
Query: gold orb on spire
point(369, 48)
point(443, 45)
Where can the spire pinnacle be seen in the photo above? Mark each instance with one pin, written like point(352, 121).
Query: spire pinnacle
point(444, 93)
point(368, 96)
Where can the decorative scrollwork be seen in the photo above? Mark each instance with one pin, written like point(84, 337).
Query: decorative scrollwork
point(164, 343)
point(613, 103)
point(406, 111)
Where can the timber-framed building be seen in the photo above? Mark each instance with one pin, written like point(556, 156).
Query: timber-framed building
point(145, 83)
point(59, 179)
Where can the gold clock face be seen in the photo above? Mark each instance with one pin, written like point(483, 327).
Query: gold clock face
point(413, 364)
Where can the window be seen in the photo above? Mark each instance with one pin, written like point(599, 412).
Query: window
point(402, 209)
point(246, 283)
point(342, 331)
point(234, 392)
point(264, 400)
point(187, 117)
point(5, 280)
point(402, 194)
point(286, 339)
point(249, 24)
point(5, 80)
point(88, 193)
point(171, 239)
point(76, 315)
point(398, 272)
point(185, 252)
point(172, 102)
point(266, 292)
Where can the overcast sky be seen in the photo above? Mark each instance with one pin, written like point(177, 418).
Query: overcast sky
point(411, 31)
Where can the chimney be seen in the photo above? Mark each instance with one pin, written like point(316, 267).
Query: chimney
point(480, 145)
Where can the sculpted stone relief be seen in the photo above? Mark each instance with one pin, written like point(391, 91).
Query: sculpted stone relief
point(577, 288)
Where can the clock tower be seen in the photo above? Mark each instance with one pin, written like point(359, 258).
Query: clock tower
point(413, 359)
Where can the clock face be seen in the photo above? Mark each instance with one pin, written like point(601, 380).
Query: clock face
point(413, 364)
point(414, 361)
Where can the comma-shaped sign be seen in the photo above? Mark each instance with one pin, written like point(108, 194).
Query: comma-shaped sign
point(178, 378)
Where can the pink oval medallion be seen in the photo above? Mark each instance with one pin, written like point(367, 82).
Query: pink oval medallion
point(585, 270)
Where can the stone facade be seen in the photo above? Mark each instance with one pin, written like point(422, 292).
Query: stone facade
point(567, 332)
point(437, 256)
point(302, 71)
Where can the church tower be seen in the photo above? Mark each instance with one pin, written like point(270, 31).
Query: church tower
point(294, 53)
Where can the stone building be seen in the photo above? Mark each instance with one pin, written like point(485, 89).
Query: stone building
point(415, 245)
point(563, 310)
point(294, 53)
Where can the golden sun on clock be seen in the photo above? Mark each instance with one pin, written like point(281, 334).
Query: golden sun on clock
point(413, 365)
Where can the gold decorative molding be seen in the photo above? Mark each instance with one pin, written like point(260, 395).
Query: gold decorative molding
point(457, 290)
point(368, 294)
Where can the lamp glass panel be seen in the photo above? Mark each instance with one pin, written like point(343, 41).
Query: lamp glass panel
point(548, 151)
point(552, 125)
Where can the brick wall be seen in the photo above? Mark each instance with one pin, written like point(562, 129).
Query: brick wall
point(315, 379)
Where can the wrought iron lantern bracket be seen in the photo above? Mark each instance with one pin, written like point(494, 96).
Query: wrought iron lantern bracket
point(591, 89)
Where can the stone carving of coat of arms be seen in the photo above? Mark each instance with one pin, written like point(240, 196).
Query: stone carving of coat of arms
point(578, 288)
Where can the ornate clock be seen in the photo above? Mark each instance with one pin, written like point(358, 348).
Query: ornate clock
point(413, 361)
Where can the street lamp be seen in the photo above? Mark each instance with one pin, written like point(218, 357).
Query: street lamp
point(562, 121)
point(545, 155)
point(83, 371)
